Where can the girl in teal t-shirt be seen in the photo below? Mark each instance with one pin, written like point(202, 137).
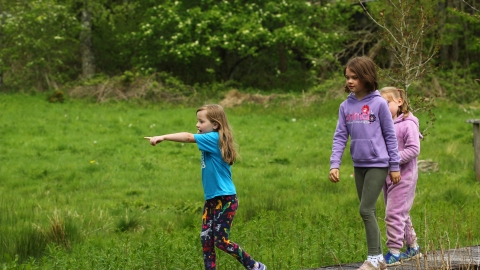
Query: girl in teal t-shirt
point(215, 141)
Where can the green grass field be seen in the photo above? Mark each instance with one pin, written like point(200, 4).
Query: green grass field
point(81, 188)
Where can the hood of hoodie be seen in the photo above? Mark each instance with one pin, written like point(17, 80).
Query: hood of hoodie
point(410, 117)
point(352, 98)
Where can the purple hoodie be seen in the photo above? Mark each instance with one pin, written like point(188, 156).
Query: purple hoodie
point(369, 124)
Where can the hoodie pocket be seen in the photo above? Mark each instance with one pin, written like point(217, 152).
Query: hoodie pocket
point(362, 149)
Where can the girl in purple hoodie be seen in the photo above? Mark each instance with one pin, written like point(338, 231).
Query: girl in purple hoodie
point(365, 118)
point(399, 196)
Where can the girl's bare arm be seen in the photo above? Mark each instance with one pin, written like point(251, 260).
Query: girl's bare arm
point(184, 137)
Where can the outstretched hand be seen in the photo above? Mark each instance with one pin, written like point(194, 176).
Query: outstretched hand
point(334, 175)
point(155, 140)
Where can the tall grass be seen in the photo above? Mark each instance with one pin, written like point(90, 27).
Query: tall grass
point(82, 189)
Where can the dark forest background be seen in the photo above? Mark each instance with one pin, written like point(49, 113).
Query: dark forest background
point(160, 49)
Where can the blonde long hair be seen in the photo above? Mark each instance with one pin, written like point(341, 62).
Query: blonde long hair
point(216, 115)
point(392, 93)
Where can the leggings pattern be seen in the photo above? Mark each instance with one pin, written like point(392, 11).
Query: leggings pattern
point(217, 219)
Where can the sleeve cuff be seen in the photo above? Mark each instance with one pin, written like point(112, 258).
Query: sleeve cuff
point(394, 168)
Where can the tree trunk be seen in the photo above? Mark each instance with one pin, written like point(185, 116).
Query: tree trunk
point(88, 59)
point(455, 44)
point(282, 58)
point(1, 39)
point(465, 38)
point(442, 6)
point(224, 67)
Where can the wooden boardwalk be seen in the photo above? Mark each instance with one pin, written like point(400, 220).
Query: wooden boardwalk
point(467, 258)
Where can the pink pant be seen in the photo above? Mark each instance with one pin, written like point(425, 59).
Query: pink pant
point(398, 201)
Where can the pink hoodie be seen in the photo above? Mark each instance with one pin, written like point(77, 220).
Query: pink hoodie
point(408, 139)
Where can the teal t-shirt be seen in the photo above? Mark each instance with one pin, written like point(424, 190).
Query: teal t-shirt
point(216, 173)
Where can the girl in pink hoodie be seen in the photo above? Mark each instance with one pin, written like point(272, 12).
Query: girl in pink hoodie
point(399, 195)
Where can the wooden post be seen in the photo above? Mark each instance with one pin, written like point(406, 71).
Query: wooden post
point(476, 144)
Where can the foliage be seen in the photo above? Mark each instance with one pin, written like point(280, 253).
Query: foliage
point(405, 25)
point(56, 96)
point(113, 21)
point(36, 51)
point(281, 46)
point(211, 39)
point(133, 86)
point(215, 41)
point(22, 240)
point(129, 222)
point(463, 27)
point(457, 84)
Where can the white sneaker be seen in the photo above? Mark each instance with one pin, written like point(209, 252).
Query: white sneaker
point(261, 266)
point(368, 266)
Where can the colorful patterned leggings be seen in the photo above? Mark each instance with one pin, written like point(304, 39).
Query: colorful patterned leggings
point(217, 219)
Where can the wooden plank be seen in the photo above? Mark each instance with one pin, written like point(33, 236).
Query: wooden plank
point(476, 145)
point(467, 258)
point(474, 121)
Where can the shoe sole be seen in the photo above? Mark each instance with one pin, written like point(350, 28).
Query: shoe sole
point(393, 264)
point(418, 256)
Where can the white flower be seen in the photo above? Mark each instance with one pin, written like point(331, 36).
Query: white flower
point(294, 120)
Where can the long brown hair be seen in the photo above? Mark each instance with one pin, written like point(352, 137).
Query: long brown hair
point(216, 115)
point(365, 69)
point(391, 93)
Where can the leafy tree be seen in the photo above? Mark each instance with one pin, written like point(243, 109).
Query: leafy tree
point(88, 59)
point(258, 43)
point(405, 26)
point(113, 22)
point(461, 29)
point(216, 37)
point(457, 66)
point(38, 37)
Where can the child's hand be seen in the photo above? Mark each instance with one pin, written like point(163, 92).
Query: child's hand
point(155, 140)
point(395, 177)
point(334, 175)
